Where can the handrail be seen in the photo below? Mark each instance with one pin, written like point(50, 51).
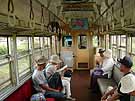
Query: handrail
point(50, 11)
point(105, 10)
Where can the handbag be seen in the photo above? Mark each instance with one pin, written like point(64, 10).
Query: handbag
point(68, 73)
point(38, 97)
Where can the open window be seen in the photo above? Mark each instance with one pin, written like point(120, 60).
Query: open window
point(5, 63)
point(67, 41)
point(23, 56)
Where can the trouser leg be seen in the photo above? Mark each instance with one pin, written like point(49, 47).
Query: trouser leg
point(50, 94)
point(66, 85)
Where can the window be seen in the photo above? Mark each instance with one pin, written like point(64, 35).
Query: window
point(107, 41)
point(123, 40)
point(114, 46)
point(67, 41)
point(118, 45)
point(54, 45)
point(82, 41)
point(37, 47)
point(95, 41)
point(16, 58)
point(122, 47)
point(37, 44)
point(114, 51)
point(5, 76)
point(132, 50)
point(46, 46)
point(133, 44)
point(23, 56)
point(133, 58)
point(113, 40)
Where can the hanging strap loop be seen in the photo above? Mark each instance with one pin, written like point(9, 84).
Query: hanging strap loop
point(10, 6)
point(122, 12)
point(42, 18)
point(31, 11)
point(11, 22)
point(32, 21)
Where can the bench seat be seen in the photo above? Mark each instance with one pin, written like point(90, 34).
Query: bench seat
point(50, 99)
point(24, 93)
point(104, 83)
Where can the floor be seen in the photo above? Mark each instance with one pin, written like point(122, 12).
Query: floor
point(80, 84)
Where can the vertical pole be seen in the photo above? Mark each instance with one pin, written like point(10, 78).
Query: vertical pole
point(51, 44)
point(14, 60)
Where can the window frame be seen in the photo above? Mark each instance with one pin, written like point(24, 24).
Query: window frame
point(8, 62)
point(21, 74)
point(119, 48)
point(78, 41)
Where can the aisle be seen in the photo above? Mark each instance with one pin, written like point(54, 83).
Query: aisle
point(80, 84)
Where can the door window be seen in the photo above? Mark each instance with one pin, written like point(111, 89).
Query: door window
point(82, 42)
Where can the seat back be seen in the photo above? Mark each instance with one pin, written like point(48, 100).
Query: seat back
point(117, 75)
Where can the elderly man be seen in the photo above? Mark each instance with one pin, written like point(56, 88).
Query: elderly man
point(40, 82)
point(52, 68)
point(126, 86)
point(105, 69)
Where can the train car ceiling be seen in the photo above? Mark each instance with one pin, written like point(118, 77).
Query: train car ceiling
point(35, 15)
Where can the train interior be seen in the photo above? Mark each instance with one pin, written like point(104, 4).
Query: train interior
point(72, 29)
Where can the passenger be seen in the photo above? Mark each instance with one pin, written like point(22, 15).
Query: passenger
point(51, 68)
point(126, 86)
point(40, 82)
point(99, 57)
point(105, 71)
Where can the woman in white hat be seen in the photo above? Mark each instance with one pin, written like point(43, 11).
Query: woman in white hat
point(105, 71)
point(126, 85)
point(51, 68)
point(108, 63)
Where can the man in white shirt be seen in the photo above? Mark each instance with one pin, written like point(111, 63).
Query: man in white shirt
point(105, 71)
point(126, 86)
point(40, 82)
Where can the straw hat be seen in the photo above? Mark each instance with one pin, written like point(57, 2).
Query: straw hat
point(108, 53)
point(128, 83)
point(41, 60)
point(55, 59)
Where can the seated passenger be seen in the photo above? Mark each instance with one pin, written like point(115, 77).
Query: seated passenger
point(52, 68)
point(98, 60)
point(99, 57)
point(40, 82)
point(105, 71)
point(126, 86)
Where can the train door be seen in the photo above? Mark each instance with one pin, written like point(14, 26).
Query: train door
point(82, 51)
point(67, 50)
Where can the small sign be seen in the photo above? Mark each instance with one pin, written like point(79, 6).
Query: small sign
point(78, 7)
point(79, 24)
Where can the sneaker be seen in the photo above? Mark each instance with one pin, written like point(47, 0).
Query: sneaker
point(70, 98)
